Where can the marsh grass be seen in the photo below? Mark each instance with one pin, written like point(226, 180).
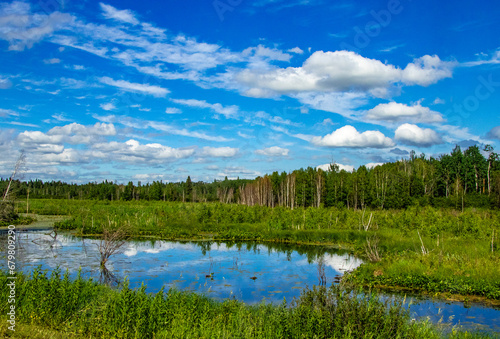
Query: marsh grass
point(58, 306)
point(457, 245)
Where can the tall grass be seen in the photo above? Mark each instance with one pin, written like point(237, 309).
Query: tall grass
point(85, 308)
point(461, 255)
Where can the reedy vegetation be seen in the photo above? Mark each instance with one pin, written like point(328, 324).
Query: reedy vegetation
point(82, 307)
point(460, 256)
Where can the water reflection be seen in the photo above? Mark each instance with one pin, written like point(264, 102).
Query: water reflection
point(250, 272)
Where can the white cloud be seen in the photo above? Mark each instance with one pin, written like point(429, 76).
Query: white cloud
point(373, 164)
point(233, 172)
point(22, 29)
point(109, 12)
point(173, 110)
point(135, 87)
point(326, 167)
point(77, 129)
point(245, 136)
point(273, 151)
point(394, 112)
point(60, 117)
point(338, 81)
point(7, 112)
point(147, 177)
point(51, 61)
point(348, 136)
point(5, 83)
point(454, 134)
point(227, 111)
point(218, 152)
point(132, 151)
point(427, 70)
point(257, 56)
point(413, 135)
point(493, 60)
point(295, 50)
point(344, 71)
point(108, 106)
point(259, 117)
point(73, 134)
point(17, 123)
point(335, 102)
point(494, 133)
point(159, 126)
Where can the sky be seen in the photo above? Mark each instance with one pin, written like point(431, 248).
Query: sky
point(159, 90)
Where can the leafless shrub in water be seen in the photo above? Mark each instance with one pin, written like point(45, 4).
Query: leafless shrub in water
point(111, 243)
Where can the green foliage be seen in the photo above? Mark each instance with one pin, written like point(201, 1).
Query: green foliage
point(460, 179)
point(84, 308)
point(7, 213)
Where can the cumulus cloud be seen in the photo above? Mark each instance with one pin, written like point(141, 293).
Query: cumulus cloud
point(394, 112)
point(77, 129)
point(343, 71)
point(427, 70)
point(110, 12)
point(132, 151)
point(73, 134)
point(135, 87)
point(348, 136)
point(494, 133)
point(326, 167)
point(413, 135)
point(273, 151)
point(218, 152)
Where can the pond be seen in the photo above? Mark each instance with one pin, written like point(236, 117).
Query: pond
point(250, 272)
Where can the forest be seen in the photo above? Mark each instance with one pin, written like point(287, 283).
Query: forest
point(469, 178)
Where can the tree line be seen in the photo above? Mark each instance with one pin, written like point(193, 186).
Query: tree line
point(459, 179)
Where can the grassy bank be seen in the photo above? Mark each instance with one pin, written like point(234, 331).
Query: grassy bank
point(61, 307)
point(421, 248)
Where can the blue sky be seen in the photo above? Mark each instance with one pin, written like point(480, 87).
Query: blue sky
point(148, 90)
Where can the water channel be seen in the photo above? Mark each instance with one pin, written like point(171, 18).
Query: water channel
point(250, 272)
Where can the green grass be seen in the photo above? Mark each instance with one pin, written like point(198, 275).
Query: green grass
point(59, 307)
point(460, 259)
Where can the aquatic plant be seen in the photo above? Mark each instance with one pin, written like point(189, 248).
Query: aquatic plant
point(84, 308)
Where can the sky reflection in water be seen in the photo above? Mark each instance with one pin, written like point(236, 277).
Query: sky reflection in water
point(224, 270)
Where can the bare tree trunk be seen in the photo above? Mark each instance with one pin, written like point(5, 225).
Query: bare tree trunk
point(19, 163)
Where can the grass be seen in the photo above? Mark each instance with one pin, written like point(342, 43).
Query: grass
point(55, 306)
point(421, 248)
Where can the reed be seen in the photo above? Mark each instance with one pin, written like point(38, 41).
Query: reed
point(83, 308)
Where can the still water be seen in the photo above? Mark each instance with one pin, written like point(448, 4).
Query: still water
point(250, 272)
